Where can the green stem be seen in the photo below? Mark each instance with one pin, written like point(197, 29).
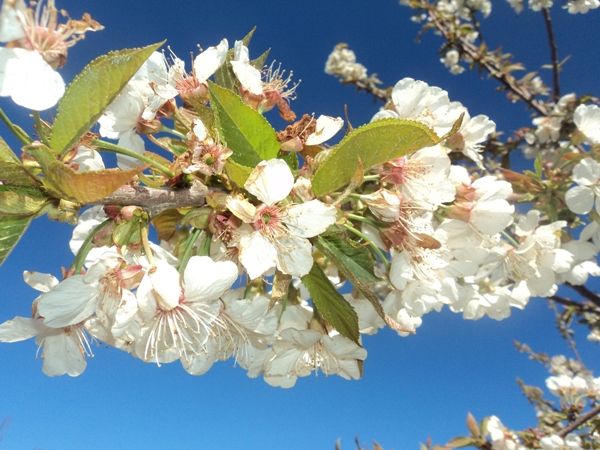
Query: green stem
point(146, 244)
point(205, 248)
point(15, 129)
point(361, 219)
point(189, 247)
point(372, 244)
point(139, 156)
point(87, 246)
point(173, 132)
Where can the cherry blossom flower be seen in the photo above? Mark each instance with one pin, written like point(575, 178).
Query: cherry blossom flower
point(581, 199)
point(279, 232)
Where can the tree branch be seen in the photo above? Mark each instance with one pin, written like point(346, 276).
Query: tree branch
point(586, 293)
point(370, 87)
point(507, 80)
point(579, 421)
point(553, 54)
point(157, 200)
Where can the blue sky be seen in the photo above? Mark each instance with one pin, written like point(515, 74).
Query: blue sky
point(413, 387)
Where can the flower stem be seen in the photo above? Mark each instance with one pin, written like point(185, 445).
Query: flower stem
point(87, 246)
point(172, 131)
point(189, 247)
point(361, 219)
point(133, 154)
point(15, 129)
point(372, 244)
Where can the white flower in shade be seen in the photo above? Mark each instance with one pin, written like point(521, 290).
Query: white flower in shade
point(422, 178)
point(297, 353)
point(587, 120)
point(179, 314)
point(384, 204)
point(584, 262)
point(76, 298)
point(500, 437)
point(581, 199)
point(538, 5)
point(516, 5)
point(279, 232)
point(591, 232)
point(326, 128)
point(63, 350)
point(471, 136)
point(555, 442)
point(369, 321)
point(540, 256)
point(582, 6)
point(482, 203)
point(566, 386)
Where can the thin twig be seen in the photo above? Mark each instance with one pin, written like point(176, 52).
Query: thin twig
point(490, 66)
point(553, 54)
point(370, 88)
point(587, 293)
point(566, 302)
point(579, 421)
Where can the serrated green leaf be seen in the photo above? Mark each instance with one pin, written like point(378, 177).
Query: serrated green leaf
point(354, 262)
point(13, 174)
point(21, 201)
point(11, 230)
point(370, 145)
point(6, 154)
point(330, 303)
point(92, 91)
point(243, 129)
point(291, 158)
point(237, 173)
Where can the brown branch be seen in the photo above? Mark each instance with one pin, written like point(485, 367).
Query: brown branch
point(369, 87)
point(156, 200)
point(586, 293)
point(579, 421)
point(553, 54)
point(507, 80)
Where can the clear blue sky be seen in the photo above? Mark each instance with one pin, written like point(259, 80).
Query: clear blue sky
point(413, 387)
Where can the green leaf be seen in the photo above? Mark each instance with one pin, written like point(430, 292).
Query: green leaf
point(92, 91)
point(237, 173)
point(243, 129)
point(354, 262)
point(21, 201)
point(370, 145)
point(6, 154)
point(330, 303)
point(13, 173)
point(291, 158)
point(11, 230)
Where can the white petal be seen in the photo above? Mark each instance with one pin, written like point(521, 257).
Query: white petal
point(166, 285)
point(294, 255)
point(248, 76)
point(271, 181)
point(199, 130)
point(209, 61)
point(587, 120)
point(11, 27)
point(242, 208)
point(309, 219)
point(62, 355)
point(133, 141)
point(257, 254)
point(69, 303)
point(327, 127)
point(205, 279)
point(42, 282)
point(586, 172)
point(19, 329)
point(580, 199)
point(29, 80)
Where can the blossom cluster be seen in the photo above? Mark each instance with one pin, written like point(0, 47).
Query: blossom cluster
point(266, 266)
